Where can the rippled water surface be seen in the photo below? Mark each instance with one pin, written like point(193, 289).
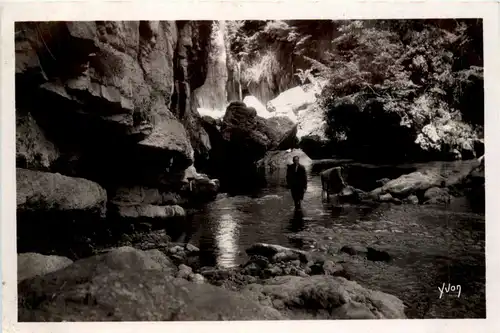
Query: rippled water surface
point(429, 245)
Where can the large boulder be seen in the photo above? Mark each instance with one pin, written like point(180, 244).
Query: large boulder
point(33, 264)
point(411, 183)
point(327, 297)
point(242, 126)
point(246, 138)
point(43, 192)
point(130, 285)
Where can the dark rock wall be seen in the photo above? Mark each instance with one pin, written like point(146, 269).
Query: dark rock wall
point(110, 103)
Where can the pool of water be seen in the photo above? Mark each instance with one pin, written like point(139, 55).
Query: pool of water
point(429, 245)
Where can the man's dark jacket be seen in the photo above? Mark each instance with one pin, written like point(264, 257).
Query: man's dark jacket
point(296, 179)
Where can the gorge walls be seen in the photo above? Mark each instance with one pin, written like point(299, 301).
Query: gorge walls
point(110, 103)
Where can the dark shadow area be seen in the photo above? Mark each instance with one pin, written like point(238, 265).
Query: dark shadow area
point(297, 223)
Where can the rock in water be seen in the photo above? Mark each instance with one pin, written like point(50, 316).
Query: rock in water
point(43, 192)
point(128, 285)
point(330, 297)
point(437, 195)
point(271, 250)
point(411, 183)
point(32, 264)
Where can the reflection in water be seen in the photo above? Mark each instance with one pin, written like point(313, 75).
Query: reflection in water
point(226, 237)
point(297, 222)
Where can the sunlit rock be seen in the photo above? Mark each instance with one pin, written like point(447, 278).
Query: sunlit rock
point(253, 102)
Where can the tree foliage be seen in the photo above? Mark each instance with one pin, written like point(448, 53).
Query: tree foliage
point(420, 81)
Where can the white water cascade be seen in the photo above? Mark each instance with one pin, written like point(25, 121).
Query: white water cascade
point(211, 98)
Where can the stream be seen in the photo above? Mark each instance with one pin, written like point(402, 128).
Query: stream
point(429, 245)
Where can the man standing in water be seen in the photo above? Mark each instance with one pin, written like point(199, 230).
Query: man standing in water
point(296, 180)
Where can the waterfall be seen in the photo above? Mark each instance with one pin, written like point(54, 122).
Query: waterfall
point(211, 97)
point(240, 91)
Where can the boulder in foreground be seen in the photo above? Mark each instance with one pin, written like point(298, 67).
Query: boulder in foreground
point(129, 285)
point(327, 297)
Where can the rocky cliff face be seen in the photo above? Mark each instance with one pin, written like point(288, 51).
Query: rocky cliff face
point(111, 102)
point(105, 85)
